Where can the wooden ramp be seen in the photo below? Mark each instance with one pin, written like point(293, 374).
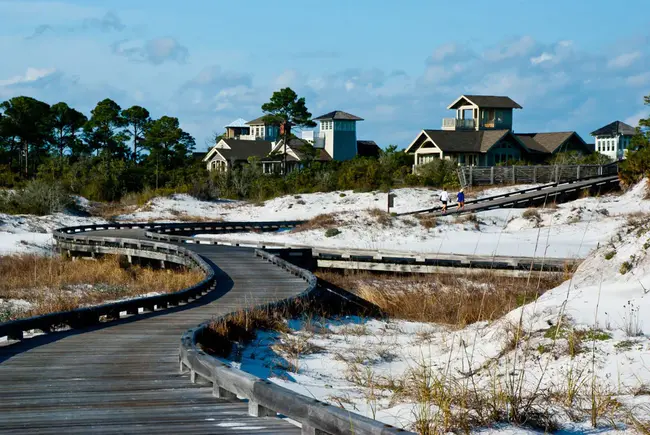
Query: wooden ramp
point(547, 194)
point(124, 377)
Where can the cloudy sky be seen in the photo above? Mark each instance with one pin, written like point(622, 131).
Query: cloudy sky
point(572, 65)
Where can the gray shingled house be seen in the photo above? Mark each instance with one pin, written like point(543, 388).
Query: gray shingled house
point(228, 153)
point(481, 135)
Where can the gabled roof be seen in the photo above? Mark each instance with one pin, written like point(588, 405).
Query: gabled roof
point(615, 128)
point(242, 149)
point(338, 115)
point(239, 122)
point(257, 121)
point(298, 147)
point(368, 148)
point(531, 144)
point(487, 101)
point(470, 141)
point(548, 142)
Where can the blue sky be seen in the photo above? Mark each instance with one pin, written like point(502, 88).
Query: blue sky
point(572, 65)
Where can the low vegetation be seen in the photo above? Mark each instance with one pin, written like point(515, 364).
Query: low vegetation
point(428, 221)
point(532, 215)
point(637, 164)
point(456, 300)
point(37, 198)
point(320, 222)
point(33, 285)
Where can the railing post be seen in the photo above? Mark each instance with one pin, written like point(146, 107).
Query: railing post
point(534, 174)
point(578, 173)
point(471, 178)
point(308, 429)
point(257, 410)
point(491, 174)
point(514, 177)
point(222, 393)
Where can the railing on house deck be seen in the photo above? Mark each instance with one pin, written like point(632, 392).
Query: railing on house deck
point(458, 124)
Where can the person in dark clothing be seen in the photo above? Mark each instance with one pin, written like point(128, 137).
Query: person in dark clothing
point(460, 196)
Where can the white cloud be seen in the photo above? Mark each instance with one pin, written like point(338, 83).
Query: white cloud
point(155, 51)
point(624, 60)
point(287, 78)
point(639, 79)
point(544, 57)
point(443, 51)
point(633, 120)
point(516, 48)
point(31, 75)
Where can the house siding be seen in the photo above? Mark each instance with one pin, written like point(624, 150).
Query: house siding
point(503, 151)
point(502, 119)
point(271, 132)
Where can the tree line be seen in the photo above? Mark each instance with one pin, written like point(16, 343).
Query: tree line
point(112, 151)
point(116, 151)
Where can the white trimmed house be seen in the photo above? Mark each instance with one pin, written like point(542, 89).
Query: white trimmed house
point(613, 140)
point(336, 139)
point(228, 153)
point(481, 134)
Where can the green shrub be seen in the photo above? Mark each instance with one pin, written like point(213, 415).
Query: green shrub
point(439, 173)
point(609, 255)
point(37, 197)
point(625, 267)
point(332, 232)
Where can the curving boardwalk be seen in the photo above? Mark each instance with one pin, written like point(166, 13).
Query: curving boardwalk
point(124, 377)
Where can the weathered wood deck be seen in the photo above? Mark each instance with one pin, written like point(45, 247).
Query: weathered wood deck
point(124, 377)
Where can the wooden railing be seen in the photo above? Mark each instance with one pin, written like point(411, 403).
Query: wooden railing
point(266, 399)
point(482, 175)
point(88, 316)
point(523, 197)
point(460, 124)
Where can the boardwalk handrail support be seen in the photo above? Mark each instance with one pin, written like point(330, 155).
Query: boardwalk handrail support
point(264, 397)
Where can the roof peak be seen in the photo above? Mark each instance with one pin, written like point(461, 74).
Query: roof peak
point(338, 115)
point(615, 127)
point(488, 101)
point(239, 122)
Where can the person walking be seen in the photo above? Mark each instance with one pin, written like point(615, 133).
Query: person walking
point(444, 198)
point(460, 196)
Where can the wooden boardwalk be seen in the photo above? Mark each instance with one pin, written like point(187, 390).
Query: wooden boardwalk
point(124, 377)
point(527, 197)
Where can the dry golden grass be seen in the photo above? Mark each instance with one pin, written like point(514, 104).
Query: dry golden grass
point(382, 217)
point(446, 299)
point(322, 221)
point(184, 217)
point(53, 284)
point(111, 210)
point(428, 221)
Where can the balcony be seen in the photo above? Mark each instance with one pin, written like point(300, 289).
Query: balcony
point(458, 124)
point(249, 137)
